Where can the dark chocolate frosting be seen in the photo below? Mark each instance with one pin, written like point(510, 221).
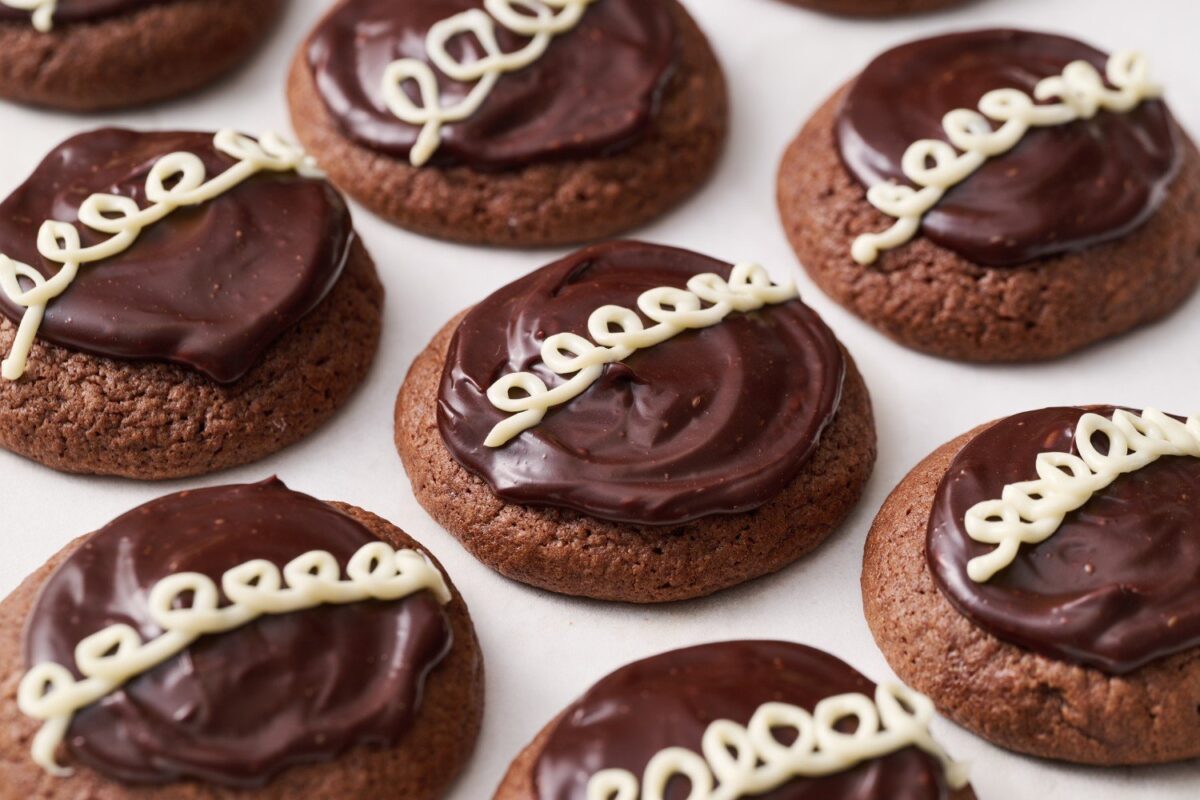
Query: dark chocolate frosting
point(238, 707)
point(596, 89)
point(81, 10)
point(1116, 587)
point(1061, 189)
point(717, 420)
point(669, 700)
point(211, 286)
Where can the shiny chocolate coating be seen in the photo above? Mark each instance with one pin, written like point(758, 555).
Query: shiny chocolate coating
point(716, 420)
point(236, 708)
point(1116, 587)
point(211, 287)
point(1061, 189)
point(595, 91)
point(81, 10)
point(669, 700)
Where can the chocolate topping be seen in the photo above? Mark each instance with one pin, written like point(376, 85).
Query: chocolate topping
point(210, 287)
point(238, 707)
point(1116, 587)
point(669, 700)
point(1061, 189)
point(713, 421)
point(594, 91)
point(81, 10)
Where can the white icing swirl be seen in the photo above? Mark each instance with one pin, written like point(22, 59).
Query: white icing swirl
point(936, 166)
point(541, 24)
point(1032, 511)
point(121, 218)
point(41, 12)
point(619, 333)
point(115, 655)
point(748, 761)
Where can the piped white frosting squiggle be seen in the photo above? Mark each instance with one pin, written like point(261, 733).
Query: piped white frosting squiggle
point(116, 655)
point(1032, 511)
point(619, 333)
point(41, 11)
point(747, 761)
point(121, 218)
point(542, 24)
point(936, 166)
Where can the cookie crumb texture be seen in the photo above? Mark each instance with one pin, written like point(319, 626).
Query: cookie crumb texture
point(87, 414)
point(931, 299)
point(164, 50)
point(566, 552)
point(555, 203)
point(876, 8)
point(1010, 696)
point(421, 767)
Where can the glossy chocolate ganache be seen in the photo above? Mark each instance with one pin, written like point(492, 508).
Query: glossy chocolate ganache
point(717, 420)
point(1061, 189)
point(669, 700)
point(595, 90)
point(1116, 587)
point(81, 10)
point(211, 286)
point(235, 708)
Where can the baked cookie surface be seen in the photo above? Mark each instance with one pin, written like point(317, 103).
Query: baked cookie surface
point(876, 8)
point(620, 118)
point(649, 485)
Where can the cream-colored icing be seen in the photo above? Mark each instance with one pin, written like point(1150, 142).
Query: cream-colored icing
point(109, 659)
point(123, 221)
point(1032, 511)
point(619, 333)
point(936, 166)
point(739, 762)
point(41, 12)
point(539, 21)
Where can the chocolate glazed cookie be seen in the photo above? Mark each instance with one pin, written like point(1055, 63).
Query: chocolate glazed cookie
point(1079, 233)
point(226, 332)
point(669, 700)
point(876, 8)
point(619, 120)
point(333, 701)
point(106, 54)
point(691, 466)
point(1087, 647)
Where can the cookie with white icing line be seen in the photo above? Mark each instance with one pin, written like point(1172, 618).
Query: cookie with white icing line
point(1037, 578)
point(637, 423)
point(720, 714)
point(1042, 199)
point(201, 302)
point(524, 124)
point(353, 667)
point(91, 55)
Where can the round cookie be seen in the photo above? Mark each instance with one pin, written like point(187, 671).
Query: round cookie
point(268, 708)
point(688, 467)
point(669, 700)
point(623, 118)
point(876, 8)
point(1081, 232)
point(1086, 647)
point(107, 54)
point(201, 346)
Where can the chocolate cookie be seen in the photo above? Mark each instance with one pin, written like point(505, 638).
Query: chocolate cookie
point(680, 463)
point(357, 668)
point(225, 330)
point(876, 8)
point(1081, 231)
point(621, 118)
point(92, 55)
point(626, 721)
point(1080, 643)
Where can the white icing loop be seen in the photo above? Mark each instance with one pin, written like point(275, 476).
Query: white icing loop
point(42, 12)
point(936, 166)
point(114, 656)
point(1032, 511)
point(540, 22)
point(749, 288)
point(748, 761)
point(123, 221)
